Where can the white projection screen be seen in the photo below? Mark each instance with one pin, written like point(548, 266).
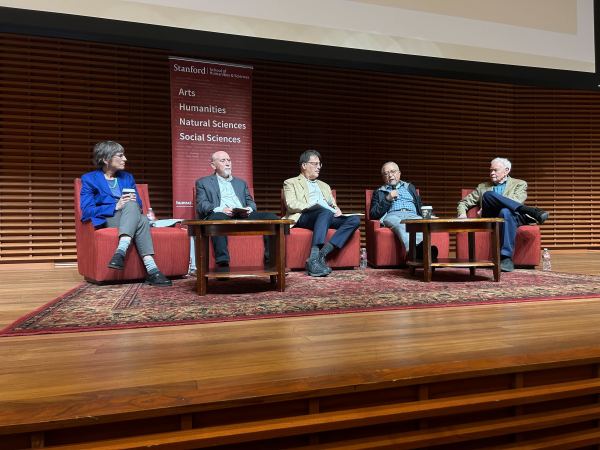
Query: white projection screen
point(554, 34)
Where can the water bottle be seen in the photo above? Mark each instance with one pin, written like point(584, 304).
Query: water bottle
point(150, 215)
point(363, 258)
point(546, 261)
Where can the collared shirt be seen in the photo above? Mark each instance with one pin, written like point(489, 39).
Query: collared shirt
point(500, 187)
point(404, 201)
point(316, 196)
point(228, 197)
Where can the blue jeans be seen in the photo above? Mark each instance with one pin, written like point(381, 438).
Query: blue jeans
point(496, 205)
point(321, 220)
point(392, 220)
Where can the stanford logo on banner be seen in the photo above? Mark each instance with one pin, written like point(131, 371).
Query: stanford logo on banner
point(211, 110)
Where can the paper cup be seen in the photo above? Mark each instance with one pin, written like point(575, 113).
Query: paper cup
point(426, 212)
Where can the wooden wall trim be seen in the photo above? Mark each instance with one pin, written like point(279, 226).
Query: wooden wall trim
point(58, 97)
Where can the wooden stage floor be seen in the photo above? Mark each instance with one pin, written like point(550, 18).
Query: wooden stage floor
point(203, 375)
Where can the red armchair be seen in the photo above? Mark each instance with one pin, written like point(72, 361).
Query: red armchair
point(527, 243)
point(96, 247)
point(298, 242)
point(384, 249)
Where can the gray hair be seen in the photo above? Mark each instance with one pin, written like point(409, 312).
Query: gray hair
point(505, 162)
point(104, 151)
point(390, 163)
point(305, 156)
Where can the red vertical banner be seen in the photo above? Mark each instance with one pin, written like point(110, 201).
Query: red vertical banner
point(211, 110)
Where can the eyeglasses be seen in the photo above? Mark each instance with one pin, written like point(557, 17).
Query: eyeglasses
point(119, 155)
point(314, 163)
point(223, 161)
point(390, 172)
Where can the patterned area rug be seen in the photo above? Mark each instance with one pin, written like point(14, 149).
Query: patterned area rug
point(89, 307)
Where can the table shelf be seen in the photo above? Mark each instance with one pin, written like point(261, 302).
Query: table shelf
point(453, 262)
point(454, 225)
point(240, 272)
point(204, 229)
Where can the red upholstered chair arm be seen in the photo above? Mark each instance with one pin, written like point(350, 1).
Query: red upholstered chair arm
point(87, 234)
point(372, 225)
point(472, 212)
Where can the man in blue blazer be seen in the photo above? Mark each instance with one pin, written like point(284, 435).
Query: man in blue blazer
point(221, 196)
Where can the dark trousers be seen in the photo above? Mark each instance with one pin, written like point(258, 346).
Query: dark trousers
point(320, 220)
point(496, 205)
point(220, 242)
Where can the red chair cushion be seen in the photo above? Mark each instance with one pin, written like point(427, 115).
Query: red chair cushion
point(96, 247)
point(384, 249)
point(527, 242)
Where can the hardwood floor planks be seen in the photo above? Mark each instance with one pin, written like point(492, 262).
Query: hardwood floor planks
point(107, 373)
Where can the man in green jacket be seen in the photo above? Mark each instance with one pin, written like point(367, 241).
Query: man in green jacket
point(504, 197)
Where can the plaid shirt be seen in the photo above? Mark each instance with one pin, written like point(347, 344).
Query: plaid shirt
point(404, 201)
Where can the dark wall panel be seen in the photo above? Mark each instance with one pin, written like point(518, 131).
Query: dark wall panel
point(58, 97)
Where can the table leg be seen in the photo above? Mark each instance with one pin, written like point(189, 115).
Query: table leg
point(427, 253)
point(471, 239)
point(412, 249)
point(272, 254)
point(279, 239)
point(201, 243)
point(496, 250)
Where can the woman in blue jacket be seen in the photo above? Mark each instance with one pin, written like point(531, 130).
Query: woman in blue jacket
point(109, 198)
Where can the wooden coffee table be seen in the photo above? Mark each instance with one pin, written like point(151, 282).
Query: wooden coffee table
point(471, 226)
point(204, 229)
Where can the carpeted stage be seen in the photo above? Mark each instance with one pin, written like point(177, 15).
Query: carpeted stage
point(500, 371)
point(90, 307)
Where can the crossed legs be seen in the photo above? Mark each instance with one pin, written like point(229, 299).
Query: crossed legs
point(133, 225)
point(319, 221)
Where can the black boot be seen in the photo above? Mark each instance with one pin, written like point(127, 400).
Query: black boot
point(533, 215)
point(323, 263)
point(327, 248)
point(315, 269)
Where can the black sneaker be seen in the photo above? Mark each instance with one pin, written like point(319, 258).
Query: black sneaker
point(534, 215)
point(434, 252)
point(158, 279)
point(117, 261)
point(222, 267)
